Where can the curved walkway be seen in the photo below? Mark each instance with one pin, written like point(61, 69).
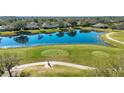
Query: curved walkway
point(108, 37)
point(19, 68)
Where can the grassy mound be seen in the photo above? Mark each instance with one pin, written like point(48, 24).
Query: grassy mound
point(100, 54)
point(55, 52)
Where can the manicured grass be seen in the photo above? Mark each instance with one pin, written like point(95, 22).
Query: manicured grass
point(118, 36)
point(101, 54)
point(54, 53)
point(55, 71)
point(112, 43)
point(8, 33)
point(78, 54)
point(14, 33)
point(50, 30)
point(44, 31)
point(95, 29)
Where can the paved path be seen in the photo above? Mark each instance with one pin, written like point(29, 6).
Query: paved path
point(108, 36)
point(19, 68)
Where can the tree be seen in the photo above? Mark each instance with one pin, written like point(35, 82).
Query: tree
point(20, 24)
point(1, 67)
point(8, 61)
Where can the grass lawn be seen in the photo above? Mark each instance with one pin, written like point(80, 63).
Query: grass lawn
point(95, 29)
point(54, 53)
point(14, 33)
point(55, 71)
point(44, 31)
point(114, 36)
point(118, 36)
point(7, 33)
point(89, 55)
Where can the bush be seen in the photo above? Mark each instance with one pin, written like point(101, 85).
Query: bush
point(25, 74)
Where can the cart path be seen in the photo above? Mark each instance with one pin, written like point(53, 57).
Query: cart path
point(15, 70)
point(108, 37)
point(19, 68)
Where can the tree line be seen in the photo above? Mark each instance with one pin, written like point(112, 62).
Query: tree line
point(27, 23)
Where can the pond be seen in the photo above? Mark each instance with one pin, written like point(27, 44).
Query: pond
point(72, 37)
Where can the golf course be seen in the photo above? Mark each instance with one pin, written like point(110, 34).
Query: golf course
point(98, 56)
point(72, 51)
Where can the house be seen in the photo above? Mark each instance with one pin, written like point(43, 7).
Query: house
point(32, 25)
point(100, 25)
point(66, 24)
point(2, 28)
point(6, 27)
point(46, 25)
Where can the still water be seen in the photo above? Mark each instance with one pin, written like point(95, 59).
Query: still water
point(74, 37)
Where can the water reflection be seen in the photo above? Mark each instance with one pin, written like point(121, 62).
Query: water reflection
point(23, 33)
point(82, 31)
point(72, 33)
point(10, 37)
point(40, 37)
point(70, 37)
point(21, 39)
point(60, 34)
point(50, 35)
point(0, 40)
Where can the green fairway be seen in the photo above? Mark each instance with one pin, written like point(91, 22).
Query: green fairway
point(54, 53)
point(115, 35)
point(89, 55)
point(95, 29)
point(118, 36)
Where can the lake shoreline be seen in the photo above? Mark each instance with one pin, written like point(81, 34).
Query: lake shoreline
point(48, 31)
point(58, 38)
